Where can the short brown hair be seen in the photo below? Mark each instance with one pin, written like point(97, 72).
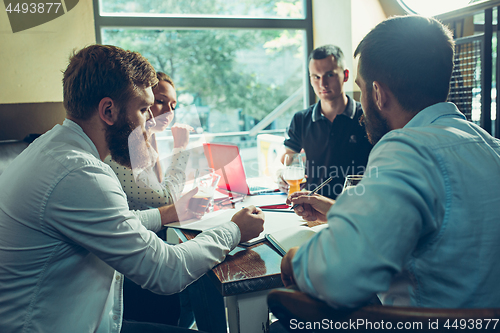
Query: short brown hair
point(325, 51)
point(412, 56)
point(100, 71)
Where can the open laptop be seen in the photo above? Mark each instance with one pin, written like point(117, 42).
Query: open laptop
point(225, 159)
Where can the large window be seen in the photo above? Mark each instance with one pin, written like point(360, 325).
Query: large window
point(234, 77)
point(233, 62)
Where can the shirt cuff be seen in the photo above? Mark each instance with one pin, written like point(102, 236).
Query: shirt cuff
point(150, 219)
point(234, 230)
point(177, 150)
point(290, 145)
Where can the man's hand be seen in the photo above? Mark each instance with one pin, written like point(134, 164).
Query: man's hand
point(180, 132)
point(250, 220)
point(178, 211)
point(310, 208)
point(286, 267)
point(282, 184)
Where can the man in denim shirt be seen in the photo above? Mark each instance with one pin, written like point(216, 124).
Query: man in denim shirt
point(421, 229)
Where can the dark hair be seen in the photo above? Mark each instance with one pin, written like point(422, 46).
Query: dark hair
point(164, 77)
point(100, 71)
point(412, 56)
point(327, 50)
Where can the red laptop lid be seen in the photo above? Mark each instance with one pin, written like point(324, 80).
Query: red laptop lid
point(226, 161)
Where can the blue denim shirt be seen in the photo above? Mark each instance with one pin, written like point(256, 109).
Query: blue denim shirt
point(66, 231)
point(421, 229)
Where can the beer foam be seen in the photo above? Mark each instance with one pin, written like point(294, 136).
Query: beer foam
point(293, 173)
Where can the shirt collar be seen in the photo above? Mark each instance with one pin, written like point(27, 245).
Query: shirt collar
point(74, 127)
point(432, 113)
point(349, 111)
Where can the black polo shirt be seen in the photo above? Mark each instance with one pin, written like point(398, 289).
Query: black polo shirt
point(336, 149)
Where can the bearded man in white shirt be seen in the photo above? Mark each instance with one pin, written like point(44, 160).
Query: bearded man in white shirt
point(66, 232)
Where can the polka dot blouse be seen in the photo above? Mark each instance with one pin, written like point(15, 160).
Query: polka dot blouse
point(141, 197)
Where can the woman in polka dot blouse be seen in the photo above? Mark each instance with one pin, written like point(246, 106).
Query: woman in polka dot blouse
point(170, 183)
point(165, 189)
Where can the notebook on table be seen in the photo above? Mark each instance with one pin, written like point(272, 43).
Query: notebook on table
point(225, 159)
point(294, 235)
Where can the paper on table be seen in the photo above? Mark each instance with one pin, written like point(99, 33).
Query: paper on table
point(273, 222)
point(208, 221)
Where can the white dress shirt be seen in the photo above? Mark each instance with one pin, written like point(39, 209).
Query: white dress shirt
point(65, 232)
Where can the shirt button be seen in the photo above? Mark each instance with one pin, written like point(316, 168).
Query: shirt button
point(115, 317)
point(117, 277)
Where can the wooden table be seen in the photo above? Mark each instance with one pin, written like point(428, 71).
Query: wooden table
point(244, 279)
point(247, 275)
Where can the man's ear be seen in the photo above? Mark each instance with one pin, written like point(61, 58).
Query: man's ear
point(108, 110)
point(346, 75)
point(380, 95)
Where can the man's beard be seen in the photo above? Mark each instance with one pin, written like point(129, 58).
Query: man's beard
point(376, 126)
point(123, 138)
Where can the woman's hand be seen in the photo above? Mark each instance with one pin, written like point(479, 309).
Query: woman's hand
point(180, 132)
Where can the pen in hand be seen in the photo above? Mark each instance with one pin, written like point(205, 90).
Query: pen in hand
point(315, 190)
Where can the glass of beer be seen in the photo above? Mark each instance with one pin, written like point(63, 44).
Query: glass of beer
point(294, 171)
point(351, 181)
point(203, 200)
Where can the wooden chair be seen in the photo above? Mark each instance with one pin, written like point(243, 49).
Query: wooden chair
point(296, 309)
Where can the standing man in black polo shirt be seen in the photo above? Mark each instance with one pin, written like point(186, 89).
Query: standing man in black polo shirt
point(329, 131)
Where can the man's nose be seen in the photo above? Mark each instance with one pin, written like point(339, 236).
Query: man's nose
point(150, 114)
point(323, 81)
point(150, 121)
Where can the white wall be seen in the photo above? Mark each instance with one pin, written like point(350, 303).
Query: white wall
point(369, 13)
point(31, 61)
point(332, 25)
point(344, 23)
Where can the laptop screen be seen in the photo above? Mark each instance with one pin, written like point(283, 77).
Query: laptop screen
point(226, 161)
